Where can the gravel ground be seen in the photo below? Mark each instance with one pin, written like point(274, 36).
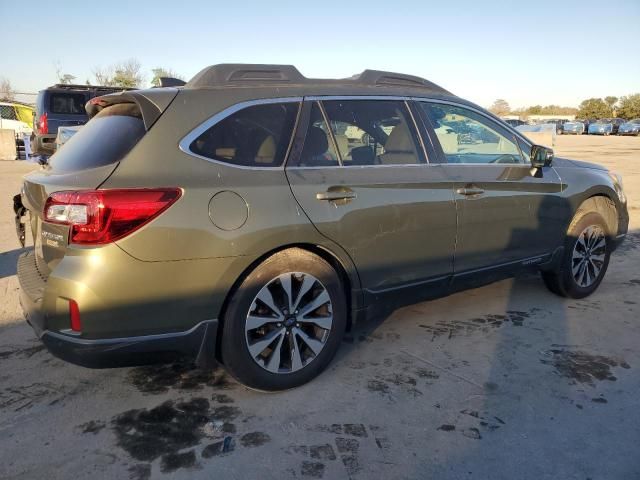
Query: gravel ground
point(505, 381)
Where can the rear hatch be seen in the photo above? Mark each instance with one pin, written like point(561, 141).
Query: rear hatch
point(83, 163)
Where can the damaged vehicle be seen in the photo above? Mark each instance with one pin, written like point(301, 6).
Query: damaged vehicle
point(232, 220)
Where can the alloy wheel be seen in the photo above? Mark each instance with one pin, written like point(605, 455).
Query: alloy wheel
point(588, 258)
point(289, 322)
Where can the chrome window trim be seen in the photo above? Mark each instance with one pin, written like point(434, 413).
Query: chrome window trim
point(403, 165)
point(187, 140)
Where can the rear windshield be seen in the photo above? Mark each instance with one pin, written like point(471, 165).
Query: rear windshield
point(67, 103)
point(105, 139)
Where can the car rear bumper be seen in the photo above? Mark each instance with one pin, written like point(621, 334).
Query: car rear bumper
point(43, 144)
point(197, 343)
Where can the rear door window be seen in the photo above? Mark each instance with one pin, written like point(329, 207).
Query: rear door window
point(373, 132)
point(105, 139)
point(256, 136)
point(67, 103)
point(318, 150)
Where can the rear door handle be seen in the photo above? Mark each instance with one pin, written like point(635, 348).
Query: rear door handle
point(333, 195)
point(470, 191)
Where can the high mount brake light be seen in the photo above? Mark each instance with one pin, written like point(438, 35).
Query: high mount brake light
point(97, 217)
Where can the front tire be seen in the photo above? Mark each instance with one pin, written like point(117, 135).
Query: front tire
point(585, 260)
point(284, 322)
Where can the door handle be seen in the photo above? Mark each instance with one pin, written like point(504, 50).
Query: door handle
point(333, 195)
point(466, 191)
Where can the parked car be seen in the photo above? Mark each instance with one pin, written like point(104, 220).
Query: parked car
point(573, 128)
point(632, 127)
point(587, 122)
point(61, 105)
point(223, 220)
point(558, 123)
point(603, 126)
point(616, 122)
point(514, 122)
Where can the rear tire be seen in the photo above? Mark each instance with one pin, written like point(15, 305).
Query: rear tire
point(284, 322)
point(586, 257)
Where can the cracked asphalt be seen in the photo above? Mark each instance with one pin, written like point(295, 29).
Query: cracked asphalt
point(505, 381)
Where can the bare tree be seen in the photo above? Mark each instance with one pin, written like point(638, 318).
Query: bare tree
point(7, 93)
point(500, 107)
point(63, 78)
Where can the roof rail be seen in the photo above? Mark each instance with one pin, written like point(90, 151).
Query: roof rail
point(225, 73)
point(378, 77)
point(239, 74)
point(171, 82)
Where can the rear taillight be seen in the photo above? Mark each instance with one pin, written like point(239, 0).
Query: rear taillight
point(102, 216)
point(43, 125)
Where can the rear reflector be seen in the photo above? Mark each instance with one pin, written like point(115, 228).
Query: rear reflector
point(74, 315)
point(97, 217)
point(43, 124)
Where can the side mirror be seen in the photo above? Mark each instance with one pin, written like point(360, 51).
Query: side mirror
point(541, 156)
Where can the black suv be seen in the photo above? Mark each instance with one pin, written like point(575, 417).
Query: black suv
point(61, 106)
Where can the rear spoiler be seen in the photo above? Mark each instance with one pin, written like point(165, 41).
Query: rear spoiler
point(151, 103)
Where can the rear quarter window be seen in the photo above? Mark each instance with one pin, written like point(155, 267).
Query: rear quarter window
point(256, 136)
point(67, 103)
point(104, 140)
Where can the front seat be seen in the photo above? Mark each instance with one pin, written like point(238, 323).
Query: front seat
point(314, 152)
point(399, 148)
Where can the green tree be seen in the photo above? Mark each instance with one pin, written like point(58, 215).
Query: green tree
point(535, 110)
point(593, 108)
point(125, 74)
point(630, 106)
point(500, 107)
point(162, 72)
point(611, 102)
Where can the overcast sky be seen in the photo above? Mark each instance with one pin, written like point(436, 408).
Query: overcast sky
point(544, 52)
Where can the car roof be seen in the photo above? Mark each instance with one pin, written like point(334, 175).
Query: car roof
point(288, 77)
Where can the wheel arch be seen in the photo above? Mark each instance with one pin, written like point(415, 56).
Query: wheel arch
point(347, 274)
point(603, 203)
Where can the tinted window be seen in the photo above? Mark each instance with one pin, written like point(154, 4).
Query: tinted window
point(373, 132)
point(7, 112)
point(256, 136)
point(318, 150)
point(105, 139)
point(467, 137)
point(67, 103)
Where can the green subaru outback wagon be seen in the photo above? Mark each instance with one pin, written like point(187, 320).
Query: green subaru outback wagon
point(252, 215)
